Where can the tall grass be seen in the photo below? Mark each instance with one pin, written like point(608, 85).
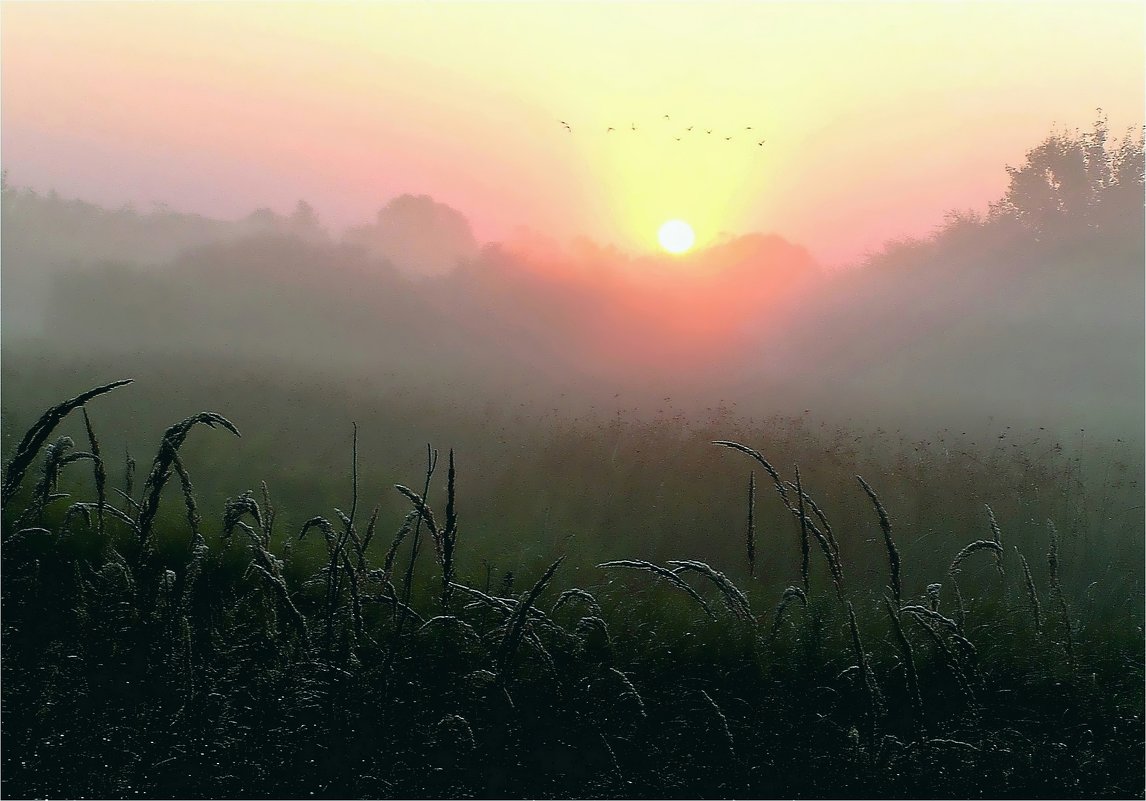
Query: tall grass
point(200, 655)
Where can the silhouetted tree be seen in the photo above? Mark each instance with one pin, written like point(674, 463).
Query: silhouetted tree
point(1074, 181)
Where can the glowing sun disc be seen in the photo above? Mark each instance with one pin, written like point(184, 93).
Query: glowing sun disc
point(676, 236)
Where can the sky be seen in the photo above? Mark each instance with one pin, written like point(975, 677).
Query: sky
point(876, 118)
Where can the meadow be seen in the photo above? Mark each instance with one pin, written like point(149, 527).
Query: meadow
point(544, 605)
point(492, 533)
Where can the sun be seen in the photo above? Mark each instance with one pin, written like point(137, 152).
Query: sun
point(676, 236)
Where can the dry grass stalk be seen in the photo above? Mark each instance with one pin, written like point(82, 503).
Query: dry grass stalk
point(576, 593)
point(98, 470)
point(450, 622)
point(518, 621)
point(805, 548)
point(977, 545)
point(997, 535)
point(173, 440)
point(424, 515)
point(736, 600)
point(960, 611)
point(949, 659)
point(449, 535)
point(319, 522)
point(283, 595)
point(332, 570)
point(75, 510)
point(867, 680)
point(129, 479)
point(831, 537)
point(392, 552)
point(371, 530)
point(268, 513)
point(45, 490)
point(952, 626)
point(355, 598)
point(721, 722)
point(38, 434)
point(662, 573)
point(630, 690)
point(790, 594)
point(1032, 593)
point(885, 527)
point(492, 601)
point(750, 536)
point(188, 498)
point(1056, 591)
point(908, 664)
point(458, 731)
point(825, 539)
point(424, 511)
point(764, 462)
point(399, 607)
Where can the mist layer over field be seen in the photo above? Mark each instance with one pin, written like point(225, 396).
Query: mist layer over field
point(1028, 315)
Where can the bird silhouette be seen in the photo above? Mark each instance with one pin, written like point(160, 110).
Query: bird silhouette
point(707, 131)
point(748, 127)
point(728, 139)
point(666, 116)
point(608, 129)
point(760, 143)
point(634, 126)
point(677, 138)
point(689, 128)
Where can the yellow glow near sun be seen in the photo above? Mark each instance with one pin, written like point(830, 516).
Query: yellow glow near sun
point(676, 236)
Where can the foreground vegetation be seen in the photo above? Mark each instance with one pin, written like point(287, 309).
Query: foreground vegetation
point(151, 649)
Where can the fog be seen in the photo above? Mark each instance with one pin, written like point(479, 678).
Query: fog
point(1029, 314)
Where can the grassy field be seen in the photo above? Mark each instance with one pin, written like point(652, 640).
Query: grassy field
point(571, 611)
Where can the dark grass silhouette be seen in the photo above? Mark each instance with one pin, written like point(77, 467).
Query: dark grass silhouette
point(212, 660)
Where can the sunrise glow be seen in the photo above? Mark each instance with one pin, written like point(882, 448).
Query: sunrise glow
point(755, 125)
point(676, 236)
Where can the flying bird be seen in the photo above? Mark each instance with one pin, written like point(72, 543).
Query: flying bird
point(728, 139)
point(608, 129)
point(677, 138)
point(708, 131)
point(748, 127)
point(689, 128)
point(634, 126)
point(760, 143)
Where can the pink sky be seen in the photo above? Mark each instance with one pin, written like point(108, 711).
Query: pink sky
point(877, 118)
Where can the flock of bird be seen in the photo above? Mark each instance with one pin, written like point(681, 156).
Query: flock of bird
point(633, 127)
